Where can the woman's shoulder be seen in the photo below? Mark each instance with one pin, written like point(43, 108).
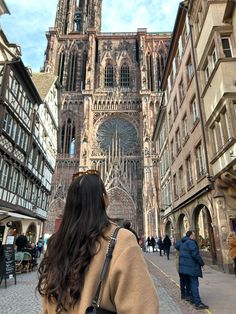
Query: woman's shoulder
point(125, 238)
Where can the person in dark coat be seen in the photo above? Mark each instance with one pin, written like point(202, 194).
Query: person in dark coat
point(185, 286)
point(160, 245)
point(167, 245)
point(149, 243)
point(191, 263)
point(21, 242)
point(153, 243)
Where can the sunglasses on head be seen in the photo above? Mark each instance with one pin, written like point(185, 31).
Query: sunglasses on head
point(81, 173)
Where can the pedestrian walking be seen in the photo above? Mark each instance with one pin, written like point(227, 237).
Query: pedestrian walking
point(70, 272)
point(184, 280)
point(40, 244)
point(167, 245)
point(160, 245)
point(149, 244)
point(232, 248)
point(127, 225)
point(153, 243)
point(191, 263)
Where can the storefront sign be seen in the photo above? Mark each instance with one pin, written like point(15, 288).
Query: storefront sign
point(7, 263)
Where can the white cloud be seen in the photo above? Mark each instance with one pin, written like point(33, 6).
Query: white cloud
point(30, 19)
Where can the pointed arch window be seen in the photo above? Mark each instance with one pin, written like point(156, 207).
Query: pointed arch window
point(149, 61)
point(72, 70)
point(61, 66)
point(124, 76)
point(109, 73)
point(68, 137)
point(160, 69)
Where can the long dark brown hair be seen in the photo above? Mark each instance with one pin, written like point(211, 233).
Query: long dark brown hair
point(71, 248)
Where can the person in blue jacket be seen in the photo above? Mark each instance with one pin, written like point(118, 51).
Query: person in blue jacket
point(191, 263)
point(185, 287)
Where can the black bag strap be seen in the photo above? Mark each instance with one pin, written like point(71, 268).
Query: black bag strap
point(108, 258)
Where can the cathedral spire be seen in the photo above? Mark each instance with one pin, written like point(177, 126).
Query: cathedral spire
point(78, 15)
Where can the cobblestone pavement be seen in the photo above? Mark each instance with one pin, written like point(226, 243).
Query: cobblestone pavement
point(22, 298)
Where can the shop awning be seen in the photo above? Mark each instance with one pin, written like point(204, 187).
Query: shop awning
point(5, 215)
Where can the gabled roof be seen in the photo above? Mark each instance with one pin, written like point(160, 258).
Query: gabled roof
point(43, 82)
point(3, 8)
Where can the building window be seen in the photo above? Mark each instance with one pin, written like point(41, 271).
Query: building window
point(175, 186)
point(5, 122)
point(177, 139)
point(149, 62)
point(14, 127)
point(213, 57)
point(29, 190)
point(206, 72)
point(170, 119)
point(34, 195)
point(194, 110)
point(68, 137)
point(15, 87)
point(181, 180)
point(5, 174)
point(200, 162)
point(189, 171)
point(109, 76)
point(22, 185)
point(224, 123)
point(172, 150)
point(124, 76)
point(14, 182)
point(176, 109)
point(226, 46)
point(185, 126)
point(27, 105)
point(160, 69)
point(181, 91)
point(72, 72)
point(61, 63)
point(189, 69)
point(220, 131)
point(9, 125)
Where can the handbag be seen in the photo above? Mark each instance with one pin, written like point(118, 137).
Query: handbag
point(95, 307)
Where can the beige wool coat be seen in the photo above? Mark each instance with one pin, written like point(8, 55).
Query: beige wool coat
point(128, 288)
point(232, 246)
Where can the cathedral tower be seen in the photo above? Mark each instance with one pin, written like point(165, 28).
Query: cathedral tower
point(110, 93)
point(78, 15)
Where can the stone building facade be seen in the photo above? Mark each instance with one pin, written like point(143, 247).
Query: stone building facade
point(110, 94)
point(194, 132)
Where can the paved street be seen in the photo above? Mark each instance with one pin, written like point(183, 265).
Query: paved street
point(217, 290)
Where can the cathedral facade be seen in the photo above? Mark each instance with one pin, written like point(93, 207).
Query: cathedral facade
point(110, 94)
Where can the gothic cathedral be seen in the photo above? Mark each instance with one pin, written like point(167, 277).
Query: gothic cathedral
point(109, 98)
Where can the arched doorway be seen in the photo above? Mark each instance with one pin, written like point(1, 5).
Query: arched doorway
point(31, 233)
point(183, 225)
point(121, 207)
point(205, 233)
point(169, 229)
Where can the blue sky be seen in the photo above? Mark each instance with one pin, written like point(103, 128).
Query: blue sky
point(30, 19)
